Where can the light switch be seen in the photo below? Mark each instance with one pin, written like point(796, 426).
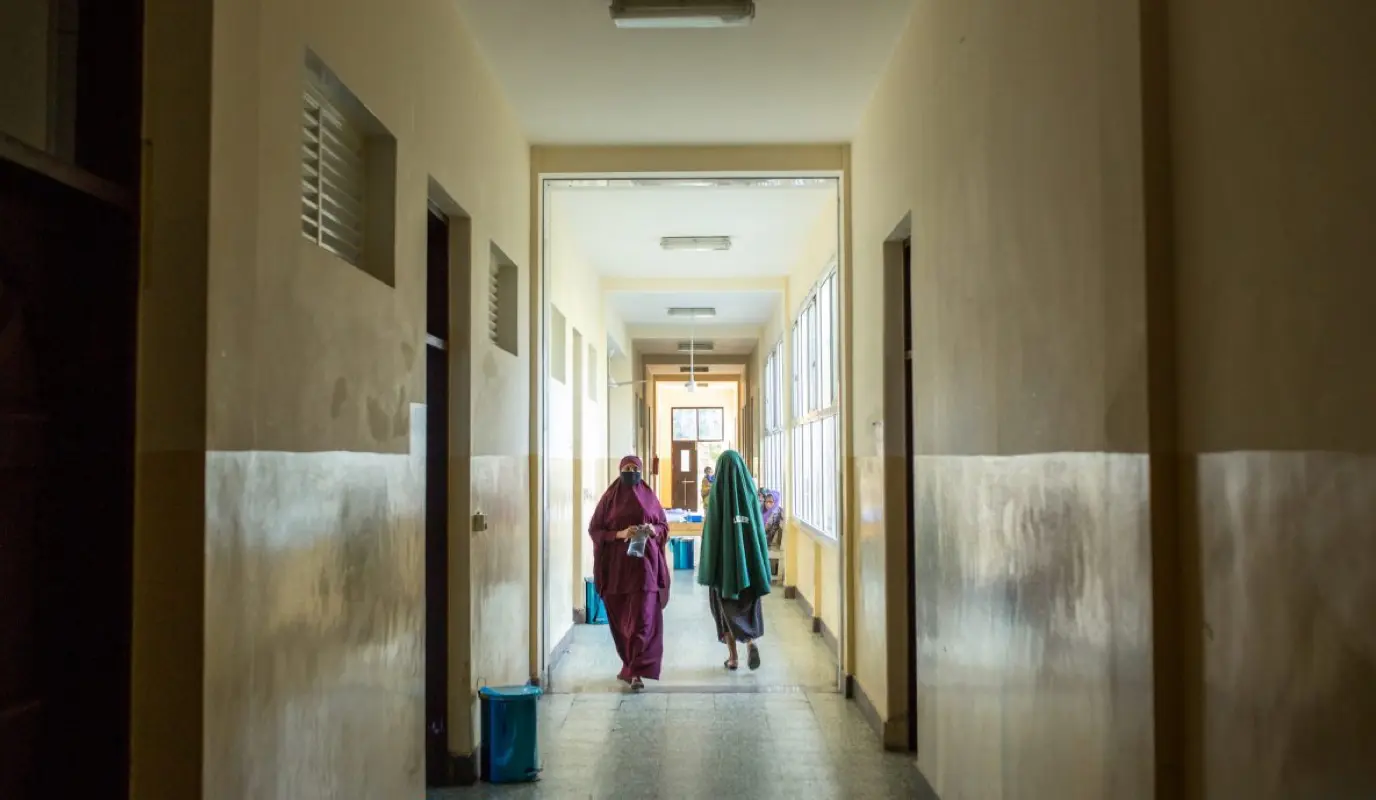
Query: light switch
point(479, 522)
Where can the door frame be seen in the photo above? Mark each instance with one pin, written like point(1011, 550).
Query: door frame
point(540, 305)
point(900, 487)
point(459, 499)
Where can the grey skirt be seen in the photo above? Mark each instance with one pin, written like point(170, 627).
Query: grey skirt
point(742, 618)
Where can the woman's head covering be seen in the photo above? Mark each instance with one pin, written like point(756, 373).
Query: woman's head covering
point(633, 460)
point(735, 551)
point(771, 514)
point(622, 506)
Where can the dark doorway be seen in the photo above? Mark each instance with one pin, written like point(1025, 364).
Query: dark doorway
point(685, 474)
point(910, 512)
point(437, 501)
point(68, 320)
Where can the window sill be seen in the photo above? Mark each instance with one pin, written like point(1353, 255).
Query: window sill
point(814, 534)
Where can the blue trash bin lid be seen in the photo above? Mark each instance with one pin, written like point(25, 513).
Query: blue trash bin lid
point(510, 692)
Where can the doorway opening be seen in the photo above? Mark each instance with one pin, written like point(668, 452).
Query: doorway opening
point(700, 434)
point(69, 293)
point(686, 306)
point(910, 507)
point(447, 444)
point(437, 498)
point(899, 487)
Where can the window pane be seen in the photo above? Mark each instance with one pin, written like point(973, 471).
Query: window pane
point(827, 333)
point(795, 465)
point(685, 424)
point(819, 483)
point(832, 479)
point(814, 464)
point(710, 424)
point(797, 372)
point(804, 364)
point(813, 394)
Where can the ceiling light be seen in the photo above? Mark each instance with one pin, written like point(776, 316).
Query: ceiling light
point(684, 347)
point(692, 312)
point(695, 243)
point(682, 13)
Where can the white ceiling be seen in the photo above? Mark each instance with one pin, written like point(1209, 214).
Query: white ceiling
point(618, 229)
point(802, 72)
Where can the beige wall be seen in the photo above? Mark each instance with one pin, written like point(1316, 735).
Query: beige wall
point(576, 474)
point(1273, 115)
point(1011, 133)
point(1079, 177)
point(311, 538)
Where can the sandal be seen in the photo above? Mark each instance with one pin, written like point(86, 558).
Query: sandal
point(731, 665)
point(637, 685)
point(753, 659)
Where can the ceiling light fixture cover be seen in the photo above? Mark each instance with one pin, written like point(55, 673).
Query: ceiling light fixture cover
point(698, 347)
point(693, 312)
point(682, 13)
point(700, 243)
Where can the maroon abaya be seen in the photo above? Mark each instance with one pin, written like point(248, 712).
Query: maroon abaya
point(635, 590)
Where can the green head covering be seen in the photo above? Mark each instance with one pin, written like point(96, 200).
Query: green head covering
point(735, 550)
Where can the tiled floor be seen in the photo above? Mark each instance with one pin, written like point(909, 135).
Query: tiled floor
point(685, 746)
point(703, 732)
point(794, 658)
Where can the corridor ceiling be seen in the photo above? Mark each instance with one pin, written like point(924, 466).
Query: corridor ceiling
point(618, 229)
point(615, 226)
point(802, 72)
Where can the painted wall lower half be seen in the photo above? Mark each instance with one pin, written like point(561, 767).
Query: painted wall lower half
point(315, 624)
point(500, 574)
point(872, 596)
point(559, 563)
point(1034, 620)
point(1288, 555)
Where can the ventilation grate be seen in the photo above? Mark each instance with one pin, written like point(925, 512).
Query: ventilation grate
point(502, 306)
point(333, 176)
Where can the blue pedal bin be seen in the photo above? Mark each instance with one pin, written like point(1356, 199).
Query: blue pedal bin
point(509, 751)
point(592, 601)
point(683, 552)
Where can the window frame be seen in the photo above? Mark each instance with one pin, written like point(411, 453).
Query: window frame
point(775, 427)
point(815, 464)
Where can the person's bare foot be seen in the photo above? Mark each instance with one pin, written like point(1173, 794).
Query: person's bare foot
point(637, 685)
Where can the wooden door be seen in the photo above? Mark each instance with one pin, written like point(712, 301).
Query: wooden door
point(685, 475)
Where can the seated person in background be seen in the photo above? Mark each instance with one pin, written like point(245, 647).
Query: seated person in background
point(707, 480)
point(773, 513)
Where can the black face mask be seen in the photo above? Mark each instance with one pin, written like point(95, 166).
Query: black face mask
point(630, 478)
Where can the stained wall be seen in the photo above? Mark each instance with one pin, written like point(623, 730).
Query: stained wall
point(1011, 135)
point(1273, 114)
point(309, 549)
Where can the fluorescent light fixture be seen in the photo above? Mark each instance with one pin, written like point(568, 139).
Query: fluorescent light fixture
point(692, 312)
point(682, 13)
point(694, 347)
point(699, 243)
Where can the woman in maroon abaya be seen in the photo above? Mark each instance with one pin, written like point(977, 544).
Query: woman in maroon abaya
point(634, 589)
